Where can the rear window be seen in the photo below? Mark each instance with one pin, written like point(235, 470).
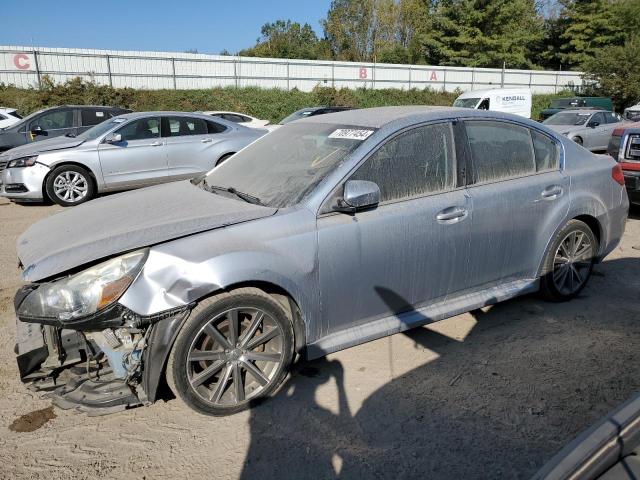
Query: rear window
point(500, 150)
point(92, 117)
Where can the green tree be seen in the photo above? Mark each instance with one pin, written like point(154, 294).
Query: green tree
point(287, 39)
point(587, 27)
point(615, 71)
point(483, 33)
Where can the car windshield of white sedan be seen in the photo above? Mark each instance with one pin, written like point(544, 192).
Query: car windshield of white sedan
point(466, 102)
point(567, 118)
point(282, 167)
point(100, 129)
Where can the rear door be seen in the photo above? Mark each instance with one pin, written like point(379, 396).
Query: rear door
point(139, 159)
point(410, 250)
point(55, 123)
point(519, 197)
point(194, 145)
point(598, 136)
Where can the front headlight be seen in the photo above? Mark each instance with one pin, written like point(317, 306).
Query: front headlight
point(23, 162)
point(86, 292)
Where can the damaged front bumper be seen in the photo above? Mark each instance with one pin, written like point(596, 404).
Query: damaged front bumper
point(101, 364)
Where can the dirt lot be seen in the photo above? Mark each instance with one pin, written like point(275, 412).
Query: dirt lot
point(494, 393)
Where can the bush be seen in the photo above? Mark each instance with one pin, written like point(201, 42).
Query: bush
point(271, 104)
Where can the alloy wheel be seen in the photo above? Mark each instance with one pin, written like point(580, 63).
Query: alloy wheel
point(70, 186)
point(572, 262)
point(235, 356)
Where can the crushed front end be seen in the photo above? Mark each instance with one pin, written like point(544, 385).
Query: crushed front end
point(80, 347)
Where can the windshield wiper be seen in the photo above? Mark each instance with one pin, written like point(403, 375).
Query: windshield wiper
point(241, 195)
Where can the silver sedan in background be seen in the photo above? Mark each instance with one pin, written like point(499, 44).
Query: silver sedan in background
point(329, 232)
point(128, 151)
point(590, 128)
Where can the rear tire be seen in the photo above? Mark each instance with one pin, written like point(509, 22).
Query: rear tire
point(234, 350)
point(569, 262)
point(69, 185)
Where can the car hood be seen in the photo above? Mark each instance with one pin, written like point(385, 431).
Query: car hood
point(33, 148)
point(127, 221)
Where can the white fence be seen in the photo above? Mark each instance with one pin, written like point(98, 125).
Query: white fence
point(25, 66)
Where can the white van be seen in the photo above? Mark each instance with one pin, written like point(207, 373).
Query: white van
point(508, 100)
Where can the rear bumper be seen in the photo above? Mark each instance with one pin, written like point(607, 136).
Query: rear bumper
point(632, 183)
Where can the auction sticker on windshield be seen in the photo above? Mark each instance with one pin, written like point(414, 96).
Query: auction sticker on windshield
point(351, 133)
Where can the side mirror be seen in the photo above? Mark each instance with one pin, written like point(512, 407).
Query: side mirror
point(113, 138)
point(358, 195)
point(593, 124)
point(37, 130)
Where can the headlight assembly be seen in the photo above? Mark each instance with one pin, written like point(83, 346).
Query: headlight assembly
point(23, 162)
point(86, 292)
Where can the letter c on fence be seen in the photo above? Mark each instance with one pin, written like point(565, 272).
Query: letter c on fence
point(363, 73)
point(21, 61)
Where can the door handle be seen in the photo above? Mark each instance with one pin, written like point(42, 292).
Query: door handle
point(451, 214)
point(552, 192)
point(206, 140)
point(155, 144)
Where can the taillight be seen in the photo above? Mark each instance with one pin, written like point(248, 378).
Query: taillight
point(617, 175)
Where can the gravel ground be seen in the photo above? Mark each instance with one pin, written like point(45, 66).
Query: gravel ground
point(489, 394)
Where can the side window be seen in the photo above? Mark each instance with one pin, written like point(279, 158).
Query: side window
point(233, 118)
point(547, 152)
point(611, 117)
point(598, 117)
point(142, 129)
point(54, 120)
point(92, 117)
point(500, 150)
point(484, 105)
point(413, 163)
point(183, 126)
point(215, 127)
point(2, 117)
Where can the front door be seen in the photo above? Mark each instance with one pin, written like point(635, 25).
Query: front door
point(138, 159)
point(52, 124)
point(410, 250)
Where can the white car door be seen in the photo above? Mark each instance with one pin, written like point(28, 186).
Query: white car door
point(193, 145)
point(138, 159)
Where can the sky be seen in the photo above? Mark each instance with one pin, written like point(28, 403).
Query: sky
point(160, 25)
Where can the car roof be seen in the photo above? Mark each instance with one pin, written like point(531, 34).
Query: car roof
point(167, 112)
point(584, 110)
point(487, 91)
point(5, 109)
point(378, 116)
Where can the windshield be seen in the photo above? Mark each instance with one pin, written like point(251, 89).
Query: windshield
point(285, 165)
point(100, 129)
point(567, 118)
point(466, 102)
point(305, 112)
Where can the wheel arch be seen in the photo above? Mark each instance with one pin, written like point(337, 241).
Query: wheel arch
point(92, 175)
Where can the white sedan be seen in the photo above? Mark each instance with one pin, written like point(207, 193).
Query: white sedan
point(241, 118)
point(8, 117)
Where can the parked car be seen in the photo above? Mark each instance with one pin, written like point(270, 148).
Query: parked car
point(329, 232)
point(241, 118)
point(608, 450)
point(128, 151)
point(8, 117)
point(571, 103)
point(55, 122)
point(508, 100)
point(311, 112)
point(624, 146)
point(590, 128)
point(632, 113)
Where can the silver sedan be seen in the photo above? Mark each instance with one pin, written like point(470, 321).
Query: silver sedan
point(329, 232)
point(590, 128)
point(128, 151)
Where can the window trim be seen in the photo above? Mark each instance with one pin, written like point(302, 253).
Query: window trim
point(530, 128)
point(458, 186)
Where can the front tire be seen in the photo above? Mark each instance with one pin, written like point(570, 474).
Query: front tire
point(223, 158)
point(234, 349)
point(569, 262)
point(69, 185)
